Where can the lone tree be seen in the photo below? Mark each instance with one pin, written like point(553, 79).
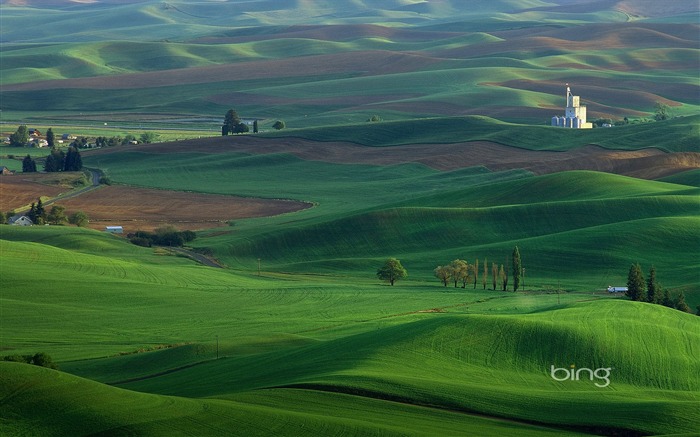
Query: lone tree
point(661, 111)
point(391, 271)
point(443, 274)
point(28, 165)
point(635, 283)
point(279, 125)
point(20, 137)
point(79, 218)
point(50, 138)
point(517, 269)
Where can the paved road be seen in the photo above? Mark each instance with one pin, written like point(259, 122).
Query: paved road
point(197, 257)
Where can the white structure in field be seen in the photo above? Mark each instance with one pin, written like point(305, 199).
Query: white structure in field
point(575, 116)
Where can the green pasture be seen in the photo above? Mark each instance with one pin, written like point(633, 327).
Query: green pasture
point(415, 349)
point(579, 228)
point(680, 134)
point(296, 336)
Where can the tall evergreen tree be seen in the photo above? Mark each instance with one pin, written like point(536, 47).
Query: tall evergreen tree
point(231, 120)
point(517, 269)
point(494, 273)
point(32, 213)
point(667, 301)
point(635, 283)
point(503, 276)
point(51, 138)
point(55, 161)
point(654, 294)
point(255, 126)
point(73, 161)
point(28, 165)
point(680, 303)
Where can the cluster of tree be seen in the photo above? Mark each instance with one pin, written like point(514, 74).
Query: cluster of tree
point(60, 161)
point(233, 124)
point(55, 216)
point(113, 141)
point(650, 290)
point(165, 236)
point(600, 122)
point(461, 272)
point(20, 137)
point(39, 359)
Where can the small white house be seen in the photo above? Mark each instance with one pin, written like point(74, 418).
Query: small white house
point(612, 289)
point(114, 229)
point(23, 221)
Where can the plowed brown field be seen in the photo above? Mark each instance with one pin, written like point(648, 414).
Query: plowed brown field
point(147, 209)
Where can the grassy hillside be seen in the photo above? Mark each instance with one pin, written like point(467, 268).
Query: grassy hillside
point(88, 408)
point(675, 135)
point(304, 352)
point(295, 335)
point(346, 62)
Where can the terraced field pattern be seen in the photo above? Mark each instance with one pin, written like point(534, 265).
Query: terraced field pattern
point(295, 335)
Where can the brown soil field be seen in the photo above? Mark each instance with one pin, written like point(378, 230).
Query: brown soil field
point(146, 209)
point(21, 189)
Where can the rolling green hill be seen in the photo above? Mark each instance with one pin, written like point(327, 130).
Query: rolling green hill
point(271, 60)
point(296, 336)
point(308, 352)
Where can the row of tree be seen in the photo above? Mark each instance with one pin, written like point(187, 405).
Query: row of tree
point(461, 272)
point(650, 290)
point(56, 161)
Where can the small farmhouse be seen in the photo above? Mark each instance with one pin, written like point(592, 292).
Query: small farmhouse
point(5, 170)
point(612, 289)
point(114, 229)
point(22, 221)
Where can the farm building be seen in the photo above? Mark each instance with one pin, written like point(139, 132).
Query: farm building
point(22, 221)
point(114, 229)
point(5, 170)
point(575, 115)
point(612, 289)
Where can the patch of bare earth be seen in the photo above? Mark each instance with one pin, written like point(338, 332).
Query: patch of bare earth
point(21, 189)
point(147, 209)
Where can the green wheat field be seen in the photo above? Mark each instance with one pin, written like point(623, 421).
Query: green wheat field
point(295, 335)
